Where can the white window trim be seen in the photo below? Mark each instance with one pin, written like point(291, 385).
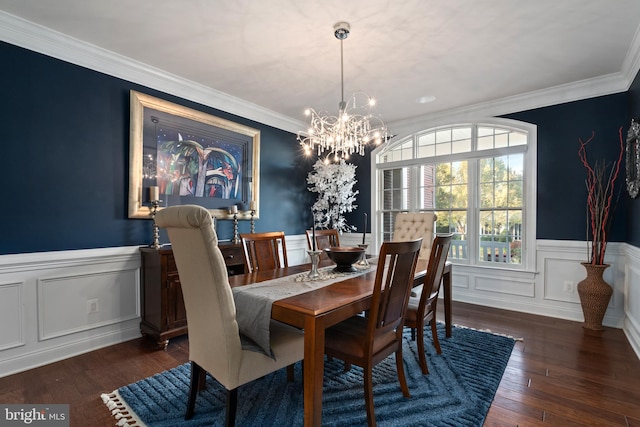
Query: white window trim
point(530, 190)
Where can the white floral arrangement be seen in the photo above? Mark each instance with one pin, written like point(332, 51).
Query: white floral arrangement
point(334, 184)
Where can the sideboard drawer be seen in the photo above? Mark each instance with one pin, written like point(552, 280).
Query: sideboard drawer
point(232, 254)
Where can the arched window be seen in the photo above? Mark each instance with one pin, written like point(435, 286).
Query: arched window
point(479, 178)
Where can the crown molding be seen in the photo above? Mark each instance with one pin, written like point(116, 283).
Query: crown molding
point(17, 31)
point(576, 91)
point(26, 34)
point(631, 64)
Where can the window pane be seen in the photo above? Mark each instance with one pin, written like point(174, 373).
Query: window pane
point(454, 222)
point(517, 138)
point(443, 149)
point(501, 140)
point(443, 136)
point(486, 195)
point(461, 146)
point(484, 131)
point(427, 139)
point(485, 143)
point(515, 235)
point(500, 195)
point(461, 133)
point(426, 151)
point(459, 196)
point(427, 177)
point(515, 194)
point(395, 197)
point(395, 189)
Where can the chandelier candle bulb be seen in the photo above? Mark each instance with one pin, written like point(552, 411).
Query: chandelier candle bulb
point(154, 193)
point(252, 205)
point(364, 230)
point(233, 209)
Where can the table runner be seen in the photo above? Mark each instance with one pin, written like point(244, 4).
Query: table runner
point(253, 302)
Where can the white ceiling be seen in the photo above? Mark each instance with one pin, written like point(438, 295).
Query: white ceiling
point(281, 55)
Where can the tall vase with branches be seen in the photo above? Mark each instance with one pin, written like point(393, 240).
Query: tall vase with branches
point(334, 184)
point(601, 178)
point(601, 190)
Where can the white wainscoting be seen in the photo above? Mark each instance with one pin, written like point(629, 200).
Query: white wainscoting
point(46, 298)
point(631, 292)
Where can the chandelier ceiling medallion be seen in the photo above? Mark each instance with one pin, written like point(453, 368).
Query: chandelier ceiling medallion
point(352, 129)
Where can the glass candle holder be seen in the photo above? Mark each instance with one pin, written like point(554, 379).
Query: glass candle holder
point(315, 259)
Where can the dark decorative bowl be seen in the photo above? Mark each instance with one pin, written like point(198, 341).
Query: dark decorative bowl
point(344, 257)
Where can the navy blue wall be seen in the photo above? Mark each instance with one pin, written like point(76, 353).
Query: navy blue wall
point(66, 153)
point(561, 187)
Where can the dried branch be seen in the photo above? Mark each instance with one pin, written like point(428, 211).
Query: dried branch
point(600, 183)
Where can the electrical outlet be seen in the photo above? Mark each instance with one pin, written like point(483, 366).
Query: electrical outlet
point(92, 306)
point(568, 286)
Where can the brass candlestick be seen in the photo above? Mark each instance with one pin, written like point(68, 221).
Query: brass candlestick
point(236, 237)
point(156, 229)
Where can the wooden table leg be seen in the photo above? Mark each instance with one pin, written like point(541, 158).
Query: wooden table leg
point(313, 370)
point(448, 289)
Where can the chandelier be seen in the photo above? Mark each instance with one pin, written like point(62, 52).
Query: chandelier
point(355, 126)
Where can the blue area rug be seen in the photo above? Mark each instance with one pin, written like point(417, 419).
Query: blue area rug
point(457, 392)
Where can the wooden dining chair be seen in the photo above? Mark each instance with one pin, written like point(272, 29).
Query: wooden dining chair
point(421, 310)
point(264, 251)
point(214, 337)
point(325, 238)
point(366, 341)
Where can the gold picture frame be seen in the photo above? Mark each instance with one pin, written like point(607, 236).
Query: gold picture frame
point(190, 157)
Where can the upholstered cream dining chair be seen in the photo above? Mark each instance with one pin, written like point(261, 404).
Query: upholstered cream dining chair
point(412, 225)
point(214, 337)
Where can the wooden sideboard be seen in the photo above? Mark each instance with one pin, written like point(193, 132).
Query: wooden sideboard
point(163, 312)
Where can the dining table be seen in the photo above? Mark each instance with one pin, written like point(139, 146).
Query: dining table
point(318, 309)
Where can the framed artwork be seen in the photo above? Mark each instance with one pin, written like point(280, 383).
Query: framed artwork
point(184, 156)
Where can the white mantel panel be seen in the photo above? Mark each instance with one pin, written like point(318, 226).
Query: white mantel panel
point(632, 298)
point(297, 250)
point(43, 304)
point(64, 301)
point(11, 333)
point(505, 285)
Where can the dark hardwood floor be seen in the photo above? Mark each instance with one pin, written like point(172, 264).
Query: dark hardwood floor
point(559, 375)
